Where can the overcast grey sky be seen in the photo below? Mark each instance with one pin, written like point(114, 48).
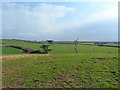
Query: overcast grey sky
point(94, 21)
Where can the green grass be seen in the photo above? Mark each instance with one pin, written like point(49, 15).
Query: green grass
point(6, 41)
point(67, 48)
point(70, 70)
point(86, 42)
point(9, 50)
point(25, 44)
point(58, 48)
point(93, 67)
point(64, 48)
point(112, 44)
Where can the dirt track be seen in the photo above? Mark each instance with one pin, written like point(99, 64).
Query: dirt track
point(13, 57)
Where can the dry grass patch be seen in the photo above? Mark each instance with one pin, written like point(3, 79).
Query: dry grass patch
point(13, 57)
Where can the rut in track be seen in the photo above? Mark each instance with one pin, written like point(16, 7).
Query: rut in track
point(13, 57)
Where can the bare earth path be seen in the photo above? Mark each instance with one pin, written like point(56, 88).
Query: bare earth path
point(13, 57)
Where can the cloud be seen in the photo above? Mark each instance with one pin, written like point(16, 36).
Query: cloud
point(22, 20)
point(45, 21)
point(59, 1)
point(107, 14)
point(110, 13)
point(0, 23)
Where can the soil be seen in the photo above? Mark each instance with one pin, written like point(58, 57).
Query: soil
point(13, 57)
point(113, 58)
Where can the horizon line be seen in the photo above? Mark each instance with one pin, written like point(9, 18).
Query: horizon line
point(63, 40)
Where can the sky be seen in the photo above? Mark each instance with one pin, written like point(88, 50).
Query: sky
point(60, 21)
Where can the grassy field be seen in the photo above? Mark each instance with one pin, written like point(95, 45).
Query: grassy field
point(58, 48)
point(9, 50)
point(93, 67)
point(112, 44)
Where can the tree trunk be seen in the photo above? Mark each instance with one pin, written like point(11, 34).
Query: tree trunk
point(76, 50)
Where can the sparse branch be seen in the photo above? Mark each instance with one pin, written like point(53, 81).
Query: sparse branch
point(46, 47)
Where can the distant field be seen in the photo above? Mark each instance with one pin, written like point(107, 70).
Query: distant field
point(112, 44)
point(59, 48)
point(9, 50)
point(93, 67)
